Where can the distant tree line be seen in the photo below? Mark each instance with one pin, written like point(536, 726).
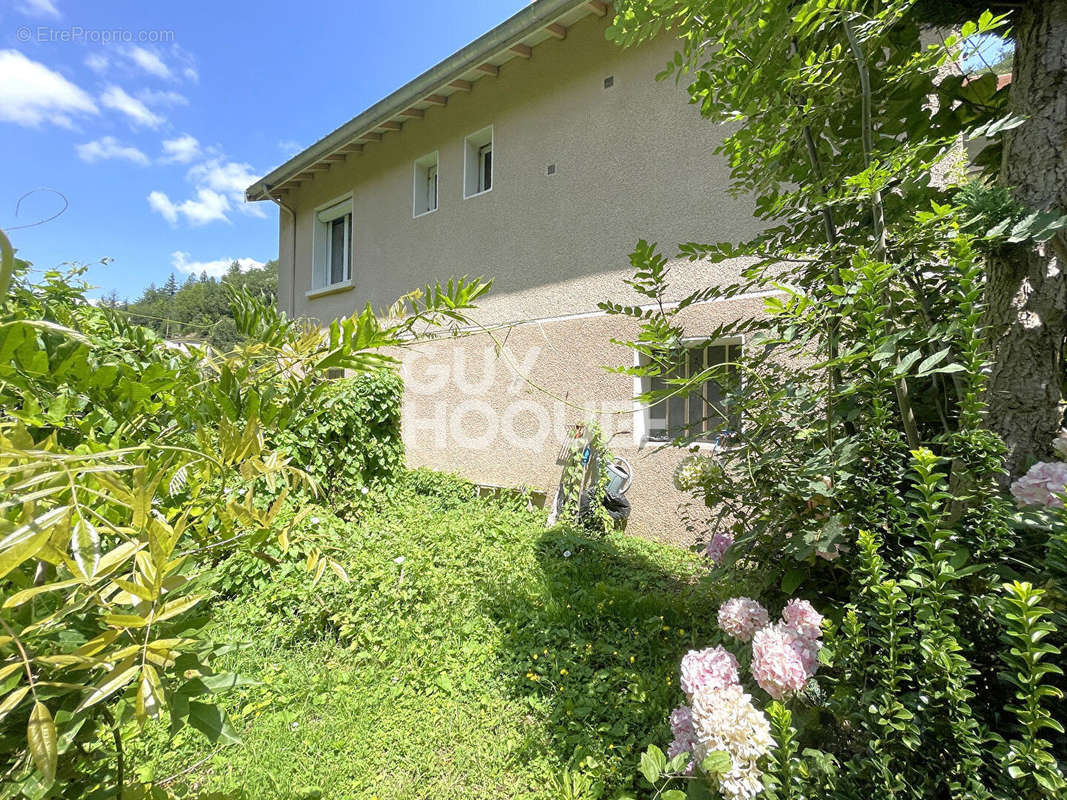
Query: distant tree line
point(198, 309)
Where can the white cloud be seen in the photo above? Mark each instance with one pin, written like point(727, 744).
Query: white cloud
point(97, 62)
point(39, 8)
point(224, 176)
point(181, 150)
point(191, 74)
point(31, 93)
point(149, 61)
point(166, 99)
point(215, 269)
point(219, 188)
point(138, 113)
point(108, 148)
point(158, 201)
point(209, 206)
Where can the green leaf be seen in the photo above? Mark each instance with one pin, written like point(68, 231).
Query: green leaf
point(12, 700)
point(652, 763)
point(673, 794)
point(212, 721)
point(716, 762)
point(792, 579)
point(109, 684)
point(41, 738)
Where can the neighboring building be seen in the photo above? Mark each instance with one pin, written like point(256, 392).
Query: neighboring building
point(537, 155)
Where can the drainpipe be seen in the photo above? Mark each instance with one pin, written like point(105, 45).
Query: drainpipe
point(292, 261)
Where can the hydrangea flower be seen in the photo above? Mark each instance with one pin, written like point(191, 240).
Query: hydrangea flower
point(1041, 485)
point(783, 660)
point(803, 618)
point(741, 617)
point(695, 471)
point(717, 547)
point(725, 719)
point(713, 667)
point(685, 738)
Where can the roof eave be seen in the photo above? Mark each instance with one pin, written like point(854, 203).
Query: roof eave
point(509, 33)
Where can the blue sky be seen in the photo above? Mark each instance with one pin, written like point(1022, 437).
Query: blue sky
point(152, 136)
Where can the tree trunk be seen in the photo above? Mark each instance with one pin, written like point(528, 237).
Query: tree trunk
point(1027, 288)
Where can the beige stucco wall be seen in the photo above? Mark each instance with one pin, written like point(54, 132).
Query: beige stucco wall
point(496, 406)
point(633, 161)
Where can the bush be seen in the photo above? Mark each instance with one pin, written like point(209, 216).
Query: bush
point(353, 439)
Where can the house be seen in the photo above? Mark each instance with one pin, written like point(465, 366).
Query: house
point(537, 155)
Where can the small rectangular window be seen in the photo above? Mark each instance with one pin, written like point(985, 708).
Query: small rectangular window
point(478, 162)
point(704, 415)
point(425, 186)
point(332, 246)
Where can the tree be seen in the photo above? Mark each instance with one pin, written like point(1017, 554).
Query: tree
point(862, 477)
point(1027, 281)
point(199, 310)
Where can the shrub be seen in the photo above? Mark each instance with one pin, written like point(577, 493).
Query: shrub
point(352, 439)
point(127, 466)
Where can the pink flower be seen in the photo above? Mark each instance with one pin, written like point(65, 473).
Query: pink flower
point(803, 618)
point(685, 738)
point(741, 617)
point(1041, 485)
point(713, 667)
point(717, 547)
point(782, 660)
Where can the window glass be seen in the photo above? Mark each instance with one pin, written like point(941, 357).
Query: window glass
point(705, 414)
point(338, 249)
point(485, 168)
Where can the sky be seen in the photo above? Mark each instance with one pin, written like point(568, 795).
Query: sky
point(149, 119)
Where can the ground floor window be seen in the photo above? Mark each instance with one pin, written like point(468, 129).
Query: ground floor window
point(704, 415)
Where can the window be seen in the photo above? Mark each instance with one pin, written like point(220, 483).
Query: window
point(704, 415)
point(425, 191)
point(478, 163)
point(332, 249)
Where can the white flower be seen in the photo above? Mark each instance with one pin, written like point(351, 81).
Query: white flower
point(725, 719)
point(566, 553)
point(315, 520)
point(398, 560)
point(364, 490)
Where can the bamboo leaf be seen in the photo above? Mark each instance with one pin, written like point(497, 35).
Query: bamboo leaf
point(109, 684)
point(41, 738)
point(12, 700)
point(179, 606)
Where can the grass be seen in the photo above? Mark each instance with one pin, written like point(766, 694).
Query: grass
point(472, 654)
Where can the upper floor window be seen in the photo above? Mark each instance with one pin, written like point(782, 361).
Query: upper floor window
point(425, 191)
point(478, 162)
point(704, 415)
point(332, 248)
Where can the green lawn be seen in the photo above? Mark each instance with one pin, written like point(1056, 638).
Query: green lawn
point(497, 654)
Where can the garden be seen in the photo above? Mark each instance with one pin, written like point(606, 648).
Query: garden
point(220, 580)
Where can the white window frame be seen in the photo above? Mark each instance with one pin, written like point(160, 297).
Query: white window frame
point(420, 200)
point(322, 242)
point(473, 147)
point(643, 433)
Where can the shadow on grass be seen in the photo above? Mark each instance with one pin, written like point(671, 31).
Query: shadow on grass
point(594, 644)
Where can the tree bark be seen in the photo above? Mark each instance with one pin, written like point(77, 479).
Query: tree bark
point(1026, 317)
